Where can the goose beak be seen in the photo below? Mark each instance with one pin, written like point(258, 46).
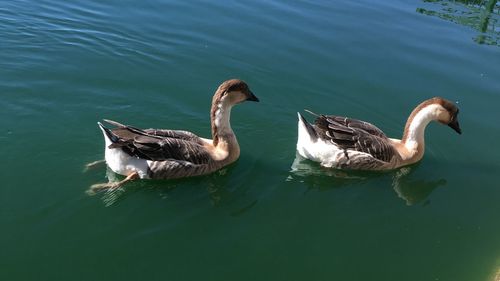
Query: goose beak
point(251, 97)
point(455, 126)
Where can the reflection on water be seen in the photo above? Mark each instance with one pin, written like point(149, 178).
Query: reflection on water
point(411, 190)
point(109, 197)
point(481, 15)
point(217, 186)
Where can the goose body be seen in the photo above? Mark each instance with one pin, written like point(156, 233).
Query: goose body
point(346, 143)
point(168, 154)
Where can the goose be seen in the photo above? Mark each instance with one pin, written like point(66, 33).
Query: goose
point(350, 144)
point(168, 154)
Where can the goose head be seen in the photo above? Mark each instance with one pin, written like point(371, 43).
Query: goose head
point(447, 113)
point(434, 109)
point(229, 93)
point(232, 92)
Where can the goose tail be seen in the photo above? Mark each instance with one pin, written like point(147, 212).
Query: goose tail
point(109, 137)
point(114, 123)
point(309, 129)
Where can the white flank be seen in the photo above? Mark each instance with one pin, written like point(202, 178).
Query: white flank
point(316, 150)
point(122, 163)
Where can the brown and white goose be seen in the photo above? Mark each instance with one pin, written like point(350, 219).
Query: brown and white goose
point(167, 154)
point(346, 143)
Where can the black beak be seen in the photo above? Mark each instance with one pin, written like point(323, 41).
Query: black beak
point(252, 97)
point(455, 126)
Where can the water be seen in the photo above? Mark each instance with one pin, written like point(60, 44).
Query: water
point(64, 65)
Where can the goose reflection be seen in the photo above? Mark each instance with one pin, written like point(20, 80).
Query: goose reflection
point(109, 197)
point(411, 190)
point(216, 187)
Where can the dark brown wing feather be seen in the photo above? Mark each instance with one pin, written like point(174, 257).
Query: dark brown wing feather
point(177, 134)
point(170, 148)
point(354, 123)
point(355, 135)
point(160, 145)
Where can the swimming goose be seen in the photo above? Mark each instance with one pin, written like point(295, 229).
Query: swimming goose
point(346, 143)
point(168, 154)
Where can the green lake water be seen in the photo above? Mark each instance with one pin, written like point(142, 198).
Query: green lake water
point(64, 65)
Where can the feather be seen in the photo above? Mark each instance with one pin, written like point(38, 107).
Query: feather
point(352, 134)
point(167, 145)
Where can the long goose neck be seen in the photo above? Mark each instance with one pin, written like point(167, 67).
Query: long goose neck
point(414, 134)
point(222, 133)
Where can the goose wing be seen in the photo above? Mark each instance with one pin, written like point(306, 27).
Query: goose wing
point(166, 148)
point(356, 135)
point(355, 124)
point(176, 134)
point(159, 145)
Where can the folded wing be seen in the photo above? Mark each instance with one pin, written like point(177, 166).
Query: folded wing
point(160, 145)
point(355, 135)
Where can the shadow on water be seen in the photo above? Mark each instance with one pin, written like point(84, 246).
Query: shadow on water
point(481, 15)
point(411, 190)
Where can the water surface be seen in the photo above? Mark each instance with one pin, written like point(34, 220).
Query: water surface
point(66, 65)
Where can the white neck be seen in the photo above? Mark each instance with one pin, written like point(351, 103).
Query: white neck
point(225, 142)
point(415, 131)
point(222, 119)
